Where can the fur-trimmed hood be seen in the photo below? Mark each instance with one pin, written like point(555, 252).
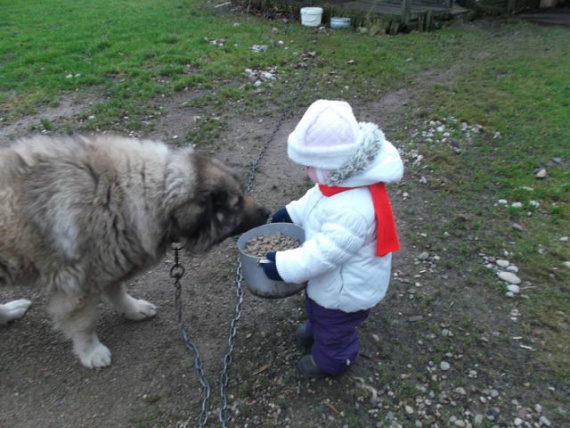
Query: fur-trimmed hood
point(375, 160)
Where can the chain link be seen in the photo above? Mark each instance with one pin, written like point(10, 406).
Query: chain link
point(255, 164)
point(239, 290)
point(224, 379)
point(177, 271)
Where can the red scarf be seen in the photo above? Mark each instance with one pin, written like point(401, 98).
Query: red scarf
point(386, 234)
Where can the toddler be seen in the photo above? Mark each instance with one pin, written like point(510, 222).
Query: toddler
point(350, 232)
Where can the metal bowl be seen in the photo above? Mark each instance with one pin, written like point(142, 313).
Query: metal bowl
point(255, 279)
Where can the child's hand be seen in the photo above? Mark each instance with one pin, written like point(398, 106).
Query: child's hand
point(270, 268)
point(281, 216)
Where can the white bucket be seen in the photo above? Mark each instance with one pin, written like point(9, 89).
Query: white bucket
point(311, 16)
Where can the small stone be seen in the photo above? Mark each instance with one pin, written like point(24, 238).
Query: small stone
point(514, 288)
point(544, 421)
point(518, 422)
point(444, 365)
point(541, 173)
point(478, 420)
point(503, 263)
point(461, 391)
point(459, 423)
point(502, 202)
point(423, 256)
point(518, 227)
point(512, 268)
point(494, 393)
point(509, 277)
point(564, 239)
point(524, 413)
point(409, 410)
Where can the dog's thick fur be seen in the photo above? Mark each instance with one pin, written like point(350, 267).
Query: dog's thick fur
point(80, 215)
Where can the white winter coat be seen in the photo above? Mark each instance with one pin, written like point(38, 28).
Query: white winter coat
point(338, 257)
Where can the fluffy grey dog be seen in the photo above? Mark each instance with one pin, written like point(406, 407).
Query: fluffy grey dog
point(81, 215)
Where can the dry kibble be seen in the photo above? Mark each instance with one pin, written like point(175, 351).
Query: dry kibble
point(262, 244)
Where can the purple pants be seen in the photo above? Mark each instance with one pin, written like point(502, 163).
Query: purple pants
point(336, 341)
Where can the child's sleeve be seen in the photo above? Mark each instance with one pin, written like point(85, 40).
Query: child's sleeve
point(338, 241)
point(297, 209)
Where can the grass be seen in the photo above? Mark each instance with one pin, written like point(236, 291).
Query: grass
point(130, 53)
point(523, 94)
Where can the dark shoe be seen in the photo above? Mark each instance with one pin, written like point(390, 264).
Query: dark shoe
point(308, 368)
point(304, 336)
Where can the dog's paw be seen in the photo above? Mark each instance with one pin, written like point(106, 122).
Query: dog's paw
point(139, 310)
point(95, 357)
point(13, 310)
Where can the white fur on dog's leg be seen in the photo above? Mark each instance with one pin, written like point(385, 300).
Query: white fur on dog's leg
point(76, 318)
point(140, 309)
point(92, 353)
point(133, 309)
point(13, 310)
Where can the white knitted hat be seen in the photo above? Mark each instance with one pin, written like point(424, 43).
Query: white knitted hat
point(326, 136)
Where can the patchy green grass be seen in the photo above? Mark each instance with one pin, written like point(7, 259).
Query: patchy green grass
point(521, 98)
point(134, 51)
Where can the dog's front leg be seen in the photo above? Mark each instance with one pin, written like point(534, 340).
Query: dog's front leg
point(13, 310)
point(76, 318)
point(128, 306)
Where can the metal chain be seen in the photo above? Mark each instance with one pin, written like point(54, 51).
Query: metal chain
point(290, 106)
point(177, 271)
point(239, 290)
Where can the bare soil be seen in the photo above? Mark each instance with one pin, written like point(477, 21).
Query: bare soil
point(398, 380)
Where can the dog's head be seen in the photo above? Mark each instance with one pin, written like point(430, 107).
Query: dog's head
point(208, 204)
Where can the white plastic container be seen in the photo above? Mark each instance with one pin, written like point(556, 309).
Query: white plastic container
point(311, 16)
point(340, 22)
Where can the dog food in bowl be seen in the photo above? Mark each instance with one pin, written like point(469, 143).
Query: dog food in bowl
point(260, 245)
point(255, 244)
